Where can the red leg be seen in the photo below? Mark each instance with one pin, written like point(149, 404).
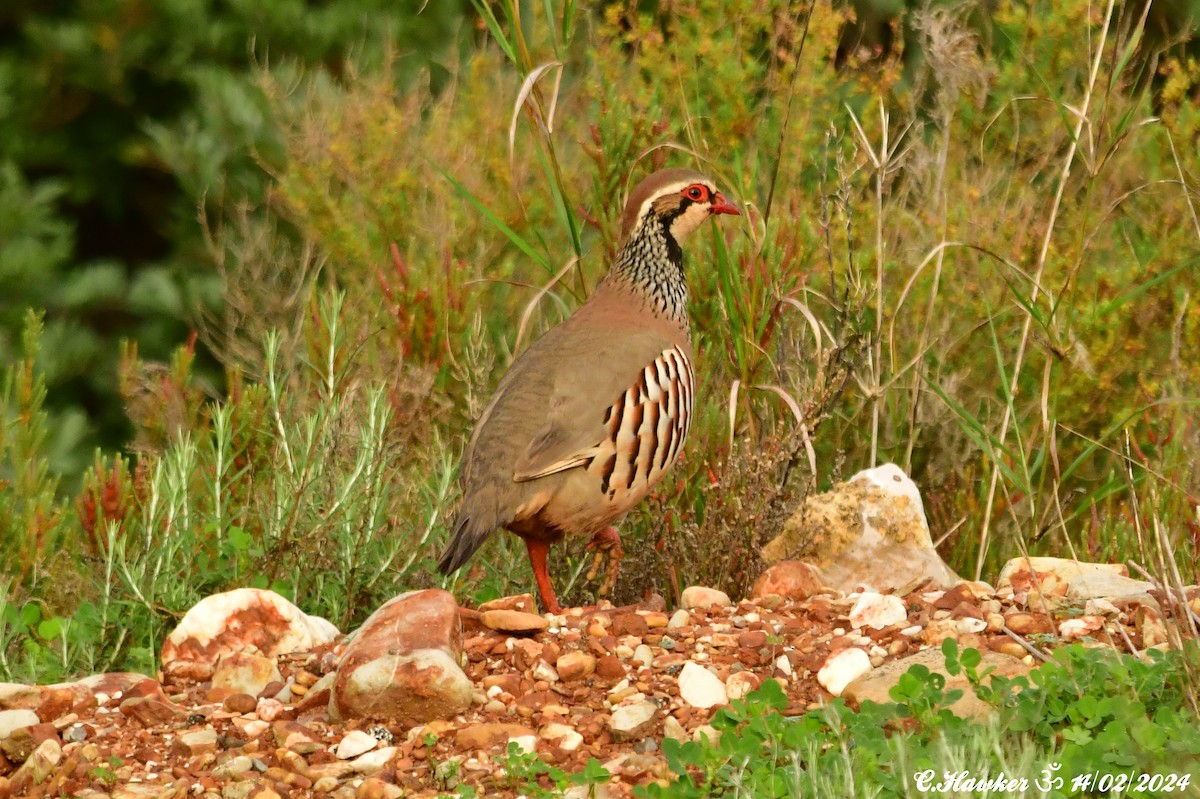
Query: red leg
point(537, 556)
point(606, 542)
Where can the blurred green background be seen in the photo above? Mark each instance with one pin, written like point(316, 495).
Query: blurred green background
point(124, 124)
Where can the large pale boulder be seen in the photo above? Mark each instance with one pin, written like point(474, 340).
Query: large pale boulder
point(870, 530)
point(403, 663)
point(875, 686)
point(1056, 578)
point(236, 621)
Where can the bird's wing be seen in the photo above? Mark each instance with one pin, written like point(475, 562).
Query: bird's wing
point(557, 397)
point(579, 403)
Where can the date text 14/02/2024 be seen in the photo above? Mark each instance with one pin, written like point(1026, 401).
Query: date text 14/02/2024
point(929, 781)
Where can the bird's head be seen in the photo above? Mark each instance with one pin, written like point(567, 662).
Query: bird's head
point(677, 199)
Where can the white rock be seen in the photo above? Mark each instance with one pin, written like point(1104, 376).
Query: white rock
point(403, 663)
point(877, 611)
point(588, 792)
point(619, 687)
point(374, 761)
point(13, 720)
point(526, 743)
point(1079, 627)
point(233, 767)
point(699, 687)
point(970, 624)
point(741, 683)
point(255, 728)
point(912, 631)
point(842, 668)
point(355, 743)
point(784, 665)
point(643, 655)
point(679, 619)
point(673, 729)
point(544, 671)
point(568, 739)
point(707, 731)
point(699, 596)
point(630, 722)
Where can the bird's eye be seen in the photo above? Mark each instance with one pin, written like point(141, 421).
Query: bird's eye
point(697, 193)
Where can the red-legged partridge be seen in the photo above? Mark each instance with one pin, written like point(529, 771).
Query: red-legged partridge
point(596, 411)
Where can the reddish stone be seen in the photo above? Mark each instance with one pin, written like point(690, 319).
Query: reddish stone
point(150, 711)
point(403, 662)
point(240, 703)
point(521, 602)
point(486, 736)
point(952, 598)
point(754, 639)
point(790, 579)
point(536, 700)
point(629, 624)
point(56, 701)
point(610, 667)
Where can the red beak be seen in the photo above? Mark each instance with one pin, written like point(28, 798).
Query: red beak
point(722, 206)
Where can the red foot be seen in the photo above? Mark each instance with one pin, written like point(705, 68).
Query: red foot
point(537, 557)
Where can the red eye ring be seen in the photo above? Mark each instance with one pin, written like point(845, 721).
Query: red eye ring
point(696, 193)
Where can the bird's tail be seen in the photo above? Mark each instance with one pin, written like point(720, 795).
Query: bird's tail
point(469, 534)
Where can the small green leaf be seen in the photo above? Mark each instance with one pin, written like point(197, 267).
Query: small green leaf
point(50, 629)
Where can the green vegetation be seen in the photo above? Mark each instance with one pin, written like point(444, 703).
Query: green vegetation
point(973, 252)
point(1085, 711)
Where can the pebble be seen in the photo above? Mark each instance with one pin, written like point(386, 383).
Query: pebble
point(544, 671)
point(575, 665)
point(515, 622)
point(240, 703)
point(610, 667)
point(561, 735)
point(233, 767)
point(268, 709)
point(741, 683)
point(1079, 627)
point(355, 743)
point(673, 729)
point(698, 596)
point(13, 720)
point(680, 619)
point(842, 668)
point(699, 687)
point(877, 611)
point(970, 625)
point(374, 761)
point(632, 721)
